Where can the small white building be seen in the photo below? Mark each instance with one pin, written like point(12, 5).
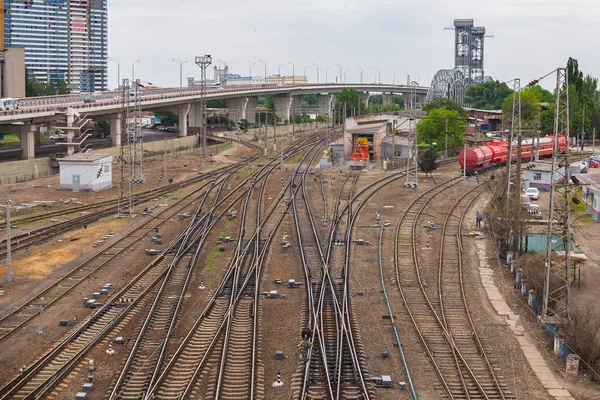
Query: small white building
point(538, 175)
point(86, 171)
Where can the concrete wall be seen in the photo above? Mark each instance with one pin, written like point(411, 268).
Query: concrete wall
point(24, 170)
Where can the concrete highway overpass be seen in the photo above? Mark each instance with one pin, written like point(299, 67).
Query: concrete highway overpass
point(185, 102)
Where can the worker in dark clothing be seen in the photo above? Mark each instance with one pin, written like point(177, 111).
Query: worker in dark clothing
point(478, 217)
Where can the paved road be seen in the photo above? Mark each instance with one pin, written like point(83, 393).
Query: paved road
point(13, 153)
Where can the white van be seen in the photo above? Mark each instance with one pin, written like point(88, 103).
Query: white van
point(9, 103)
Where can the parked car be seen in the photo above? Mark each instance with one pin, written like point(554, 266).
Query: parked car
point(59, 136)
point(89, 99)
point(525, 201)
point(533, 193)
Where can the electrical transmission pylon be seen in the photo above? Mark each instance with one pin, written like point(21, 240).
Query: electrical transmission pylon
point(135, 138)
point(203, 62)
point(557, 299)
point(125, 192)
point(412, 178)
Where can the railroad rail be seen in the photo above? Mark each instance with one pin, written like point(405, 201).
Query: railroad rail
point(48, 370)
point(226, 326)
point(455, 359)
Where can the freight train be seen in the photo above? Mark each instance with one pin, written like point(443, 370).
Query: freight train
point(495, 153)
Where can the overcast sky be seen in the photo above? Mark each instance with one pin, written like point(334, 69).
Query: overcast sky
point(531, 37)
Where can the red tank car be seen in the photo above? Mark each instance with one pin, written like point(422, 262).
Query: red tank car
point(496, 153)
point(481, 157)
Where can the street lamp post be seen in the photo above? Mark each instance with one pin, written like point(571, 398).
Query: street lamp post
point(361, 73)
point(262, 62)
point(394, 71)
point(317, 65)
point(181, 62)
point(118, 70)
point(293, 72)
point(328, 68)
point(340, 72)
point(133, 69)
point(251, 68)
point(279, 71)
point(376, 74)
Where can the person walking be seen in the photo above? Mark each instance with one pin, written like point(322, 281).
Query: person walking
point(478, 217)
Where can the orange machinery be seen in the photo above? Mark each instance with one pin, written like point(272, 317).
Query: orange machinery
point(361, 149)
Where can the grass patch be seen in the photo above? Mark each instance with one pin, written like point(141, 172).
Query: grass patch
point(213, 258)
point(10, 139)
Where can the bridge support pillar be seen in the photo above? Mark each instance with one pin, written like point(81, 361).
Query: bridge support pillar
point(325, 104)
point(116, 131)
point(388, 98)
point(183, 112)
point(283, 106)
point(364, 98)
point(242, 108)
point(27, 136)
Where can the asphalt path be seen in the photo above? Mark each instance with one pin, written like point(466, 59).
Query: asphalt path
point(13, 153)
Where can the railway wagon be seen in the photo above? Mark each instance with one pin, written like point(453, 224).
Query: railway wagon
point(496, 153)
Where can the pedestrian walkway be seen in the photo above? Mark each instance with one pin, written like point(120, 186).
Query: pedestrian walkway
point(532, 354)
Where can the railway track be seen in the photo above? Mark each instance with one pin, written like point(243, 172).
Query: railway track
point(440, 314)
point(48, 296)
point(333, 362)
point(41, 235)
point(222, 364)
point(50, 368)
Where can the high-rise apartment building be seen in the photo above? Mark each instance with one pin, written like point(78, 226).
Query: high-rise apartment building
point(63, 39)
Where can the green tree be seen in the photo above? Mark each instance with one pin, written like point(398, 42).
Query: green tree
point(398, 99)
point(432, 128)
point(348, 97)
point(487, 95)
point(529, 108)
point(321, 118)
point(446, 104)
point(427, 159)
point(243, 125)
point(62, 87)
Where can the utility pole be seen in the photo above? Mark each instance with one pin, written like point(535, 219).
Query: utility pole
point(393, 142)
point(165, 161)
point(516, 114)
point(446, 143)
point(581, 132)
point(559, 298)
point(203, 62)
point(593, 140)
point(41, 331)
point(9, 275)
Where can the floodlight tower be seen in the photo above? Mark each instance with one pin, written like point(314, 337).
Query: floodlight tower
point(557, 300)
point(203, 62)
